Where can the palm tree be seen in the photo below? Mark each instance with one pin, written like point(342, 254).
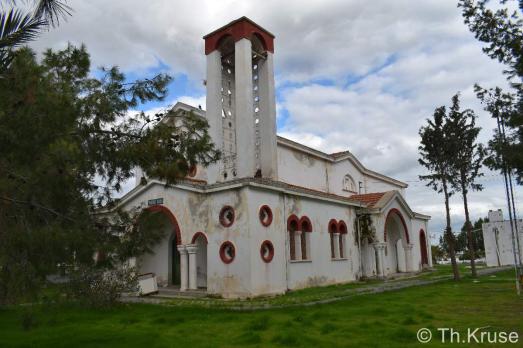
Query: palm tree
point(20, 25)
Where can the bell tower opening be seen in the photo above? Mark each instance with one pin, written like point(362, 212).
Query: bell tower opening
point(241, 107)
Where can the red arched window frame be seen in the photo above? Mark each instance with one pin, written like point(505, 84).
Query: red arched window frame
point(293, 225)
point(342, 230)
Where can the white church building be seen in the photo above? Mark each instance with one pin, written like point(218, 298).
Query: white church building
point(499, 240)
point(272, 214)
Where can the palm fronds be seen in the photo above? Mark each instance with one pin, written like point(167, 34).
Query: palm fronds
point(18, 28)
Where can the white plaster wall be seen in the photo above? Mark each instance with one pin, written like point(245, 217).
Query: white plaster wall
point(337, 172)
point(200, 213)
point(301, 169)
point(267, 278)
point(373, 184)
point(368, 259)
point(321, 269)
point(505, 250)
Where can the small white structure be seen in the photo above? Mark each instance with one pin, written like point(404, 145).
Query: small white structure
point(147, 284)
point(498, 239)
point(272, 214)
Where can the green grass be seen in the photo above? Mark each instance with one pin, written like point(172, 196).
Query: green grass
point(380, 320)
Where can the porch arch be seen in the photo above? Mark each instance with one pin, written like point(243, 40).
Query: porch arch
point(397, 213)
point(167, 212)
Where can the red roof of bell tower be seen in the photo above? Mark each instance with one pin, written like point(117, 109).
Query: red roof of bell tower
point(239, 29)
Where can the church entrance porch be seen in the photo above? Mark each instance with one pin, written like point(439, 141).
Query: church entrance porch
point(163, 260)
point(394, 254)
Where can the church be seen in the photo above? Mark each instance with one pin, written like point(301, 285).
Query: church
point(272, 215)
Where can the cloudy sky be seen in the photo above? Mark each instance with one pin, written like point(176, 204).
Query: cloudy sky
point(350, 74)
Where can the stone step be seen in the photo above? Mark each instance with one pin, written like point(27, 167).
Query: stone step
point(175, 292)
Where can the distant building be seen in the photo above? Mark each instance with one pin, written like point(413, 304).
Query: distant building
point(272, 214)
point(497, 236)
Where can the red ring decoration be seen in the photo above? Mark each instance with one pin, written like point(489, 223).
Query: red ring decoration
point(227, 216)
point(265, 215)
point(267, 247)
point(227, 252)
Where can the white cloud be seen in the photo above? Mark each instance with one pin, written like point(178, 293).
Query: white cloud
point(407, 57)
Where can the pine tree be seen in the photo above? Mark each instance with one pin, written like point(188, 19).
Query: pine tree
point(467, 159)
point(67, 143)
point(502, 31)
point(436, 155)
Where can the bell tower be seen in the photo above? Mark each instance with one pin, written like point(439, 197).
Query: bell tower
point(241, 106)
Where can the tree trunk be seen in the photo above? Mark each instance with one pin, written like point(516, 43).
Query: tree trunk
point(468, 226)
point(449, 236)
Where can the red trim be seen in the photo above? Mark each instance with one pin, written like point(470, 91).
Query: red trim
point(164, 210)
point(268, 258)
point(293, 219)
point(242, 28)
point(304, 220)
point(192, 171)
point(398, 213)
point(333, 226)
point(268, 212)
point(423, 246)
point(222, 216)
point(197, 235)
point(225, 258)
point(342, 227)
point(290, 220)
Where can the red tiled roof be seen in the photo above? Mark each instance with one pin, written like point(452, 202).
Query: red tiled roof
point(369, 198)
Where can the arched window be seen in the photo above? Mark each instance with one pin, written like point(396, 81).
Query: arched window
point(337, 233)
point(292, 228)
point(299, 237)
point(306, 227)
point(349, 184)
point(333, 229)
point(342, 230)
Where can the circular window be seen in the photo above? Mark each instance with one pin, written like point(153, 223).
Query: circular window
point(192, 171)
point(265, 215)
point(227, 216)
point(227, 252)
point(267, 251)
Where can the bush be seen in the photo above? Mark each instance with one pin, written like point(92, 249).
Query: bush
point(101, 287)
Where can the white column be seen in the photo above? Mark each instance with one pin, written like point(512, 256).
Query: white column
point(214, 109)
point(183, 267)
point(246, 156)
point(380, 251)
point(336, 243)
point(408, 258)
point(269, 159)
point(192, 249)
point(297, 243)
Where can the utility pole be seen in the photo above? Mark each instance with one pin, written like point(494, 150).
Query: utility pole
point(511, 209)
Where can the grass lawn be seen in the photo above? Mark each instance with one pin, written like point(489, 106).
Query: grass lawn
point(379, 320)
